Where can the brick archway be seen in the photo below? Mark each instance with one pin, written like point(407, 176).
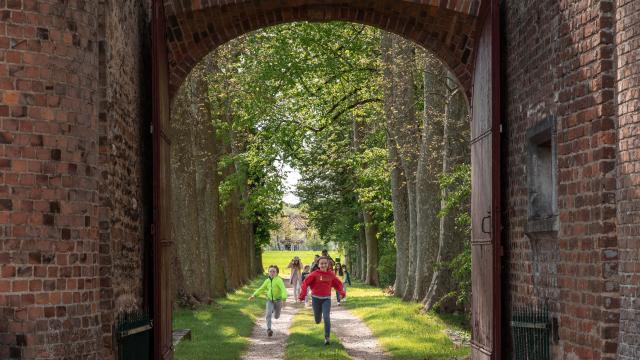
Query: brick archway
point(463, 34)
point(447, 28)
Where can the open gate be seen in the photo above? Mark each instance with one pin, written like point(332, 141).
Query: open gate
point(163, 246)
point(485, 204)
point(486, 247)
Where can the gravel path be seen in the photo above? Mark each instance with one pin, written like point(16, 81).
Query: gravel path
point(355, 336)
point(262, 347)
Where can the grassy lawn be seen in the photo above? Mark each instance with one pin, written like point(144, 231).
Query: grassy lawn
point(222, 329)
point(306, 340)
point(282, 258)
point(400, 328)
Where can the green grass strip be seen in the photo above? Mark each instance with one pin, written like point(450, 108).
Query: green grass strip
point(400, 327)
point(220, 330)
point(306, 340)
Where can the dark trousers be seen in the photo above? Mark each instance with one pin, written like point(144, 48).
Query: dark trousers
point(322, 310)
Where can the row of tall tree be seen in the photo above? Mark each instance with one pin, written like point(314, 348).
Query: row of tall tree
point(225, 204)
point(378, 129)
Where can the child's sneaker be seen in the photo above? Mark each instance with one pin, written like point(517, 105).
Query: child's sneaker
point(326, 341)
point(338, 303)
point(269, 333)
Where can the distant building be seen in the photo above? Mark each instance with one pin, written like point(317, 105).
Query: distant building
point(292, 234)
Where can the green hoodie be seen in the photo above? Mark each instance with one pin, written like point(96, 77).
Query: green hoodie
point(274, 288)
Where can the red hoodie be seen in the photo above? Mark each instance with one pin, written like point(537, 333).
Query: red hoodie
point(321, 283)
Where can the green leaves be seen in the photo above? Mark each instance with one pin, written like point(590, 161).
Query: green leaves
point(290, 94)
point(458, 185)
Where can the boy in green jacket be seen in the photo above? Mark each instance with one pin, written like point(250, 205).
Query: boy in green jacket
point(276, 293)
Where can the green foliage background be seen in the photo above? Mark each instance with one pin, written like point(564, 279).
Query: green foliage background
point(310, 95)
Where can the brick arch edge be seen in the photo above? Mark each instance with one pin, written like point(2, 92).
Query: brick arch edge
point(449, 34)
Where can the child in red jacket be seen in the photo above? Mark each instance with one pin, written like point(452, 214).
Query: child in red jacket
point(321, 282)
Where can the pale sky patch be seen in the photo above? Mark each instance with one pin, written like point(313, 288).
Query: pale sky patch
point(292, 176)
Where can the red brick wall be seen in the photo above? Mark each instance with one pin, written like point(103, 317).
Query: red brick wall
point(467, 7)
point(627, 39)
point(71, 218)
point(121, 215)
point(560, 62)
point(49, 289)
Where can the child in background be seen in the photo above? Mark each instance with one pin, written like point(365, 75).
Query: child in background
point(276, 293)
point(314, 264)
point(305, 272)
point(345, 277)
point(338, 269)
point(296, 278)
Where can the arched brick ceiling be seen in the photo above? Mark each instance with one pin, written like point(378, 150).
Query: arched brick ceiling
point(445, 27)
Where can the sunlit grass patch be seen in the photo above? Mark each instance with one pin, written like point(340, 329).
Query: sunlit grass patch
point(400, 327)
point(306, 340)
point(220, 330)
point(282, 258)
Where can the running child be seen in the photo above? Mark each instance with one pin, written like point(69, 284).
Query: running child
point(276, 293)
point(321, 282)
point(345, 277)
point(296, 276)
point(305, 272)
point(314, 264)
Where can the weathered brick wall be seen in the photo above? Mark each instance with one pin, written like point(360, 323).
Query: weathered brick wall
point(559, 62)
point(627, 41)
point(122, 126)
point(49, 289)
point(71, 202)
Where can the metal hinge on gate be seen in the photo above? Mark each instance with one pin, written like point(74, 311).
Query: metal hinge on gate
point(488, 217)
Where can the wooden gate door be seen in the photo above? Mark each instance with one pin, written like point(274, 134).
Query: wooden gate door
point(485, 198)
point(162, 245)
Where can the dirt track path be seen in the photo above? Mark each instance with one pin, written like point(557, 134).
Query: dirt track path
point(262, 347)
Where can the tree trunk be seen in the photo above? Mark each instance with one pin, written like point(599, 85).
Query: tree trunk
point(234, 258)
point(355, 261)
point(371, 234)
point(399, 195)
point(206, 180)
point(405, 131)
point(362, 272)
point(400, 201)
point(441, 280)
point(426, 183)
point(217, 244)
point(193, 228)
point(259, 267)
point(192, 274)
